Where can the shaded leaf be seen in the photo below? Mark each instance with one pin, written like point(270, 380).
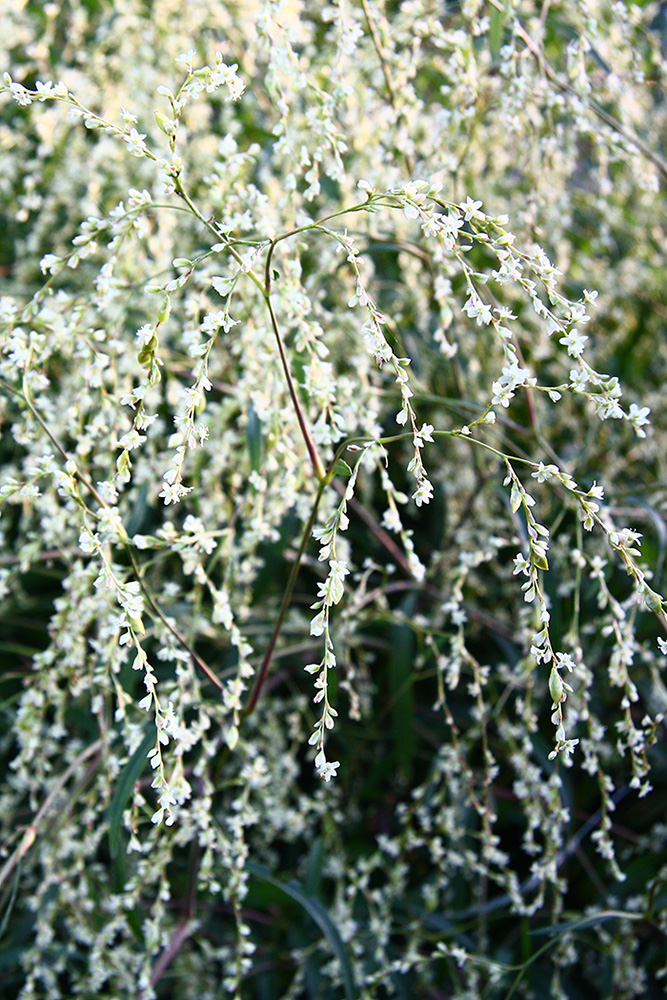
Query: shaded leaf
point(121, 796)
point(319, 915)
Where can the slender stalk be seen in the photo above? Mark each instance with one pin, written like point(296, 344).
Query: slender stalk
point(124, 540)
point(313, 453)
point(265, 289)
point(284, 605)
point(538, 53)
point(32, 829)
point(362, 206)
point(171, 950)
point(175, 631)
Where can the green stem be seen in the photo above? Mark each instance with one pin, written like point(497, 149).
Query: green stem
point(319, 223)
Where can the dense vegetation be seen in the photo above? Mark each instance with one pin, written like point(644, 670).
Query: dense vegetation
point(333, 495)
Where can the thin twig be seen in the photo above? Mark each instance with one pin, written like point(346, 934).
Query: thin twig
point(287, 597)
point(32, 829)
point(603, 115)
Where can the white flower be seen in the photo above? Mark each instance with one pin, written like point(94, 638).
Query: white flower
point(88, 541)
point(578, 378)
point(512, 377)
point(318, 622)
point(478, 310)
point(391, 520)
point(131, 440)
point(565, 747)
point(135, 142)
point(144, 334)
point(186, 59)
point(471, 210)
point(423, 493)
point(574, 341)
point(639, 418)
point(327, 770)
point(564, 661)
point(50, 262)
point(20, 94)
point(173, 492)
point(332, 590)
point(545, 472)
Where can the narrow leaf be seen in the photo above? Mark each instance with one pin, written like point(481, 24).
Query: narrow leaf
point(401, 668)
point(121, 796)
point(320, 916)
point(341, 468)
point(254, 434)
point(590, 921)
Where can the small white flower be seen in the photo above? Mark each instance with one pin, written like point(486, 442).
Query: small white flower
point(545, 472)
point(638, 417)
point(471, 210)
point(578, 378)
point(424, 493)
point(478, 310)
point(131, 440)
point(186, 59)
point(135, 142)
point(328, 769)
point(20, 94)
point(318, 622)
point(50, 262)
point(575, 342)
point(173, 492)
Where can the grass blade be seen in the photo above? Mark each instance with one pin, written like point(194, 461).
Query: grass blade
point(316, 911)
point(120, 797)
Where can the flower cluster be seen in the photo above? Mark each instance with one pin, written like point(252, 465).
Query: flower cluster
point(282, 276)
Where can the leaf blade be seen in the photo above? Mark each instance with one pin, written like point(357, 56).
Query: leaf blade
point(120, 797)
point(319, 915)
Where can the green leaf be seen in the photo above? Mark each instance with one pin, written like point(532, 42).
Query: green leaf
point(314, 865)
point(341, 468)
point(591, 921)
point(497, 20)
point(254, 434)
point(319, 915)
point(539, 561)
point(121, 796)
point(401, 670)
point(164, 310)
